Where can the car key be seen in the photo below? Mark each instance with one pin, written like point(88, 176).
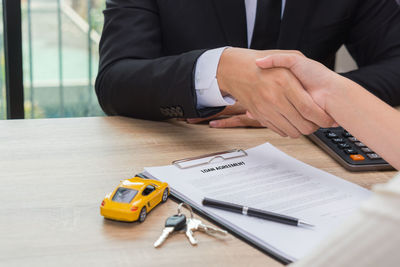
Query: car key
point(209, 229)
point(172, 224)
point(196, 224)
point(191, 225)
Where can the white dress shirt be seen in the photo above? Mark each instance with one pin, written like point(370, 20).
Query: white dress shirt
point(206, 85)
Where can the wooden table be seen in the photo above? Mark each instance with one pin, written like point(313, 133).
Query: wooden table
point(54, 174)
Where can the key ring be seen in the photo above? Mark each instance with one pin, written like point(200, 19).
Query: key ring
point(187, 206)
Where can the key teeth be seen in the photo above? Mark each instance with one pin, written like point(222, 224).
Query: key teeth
point(212, 230)
point(164, 235)
point(218, 231)
point(191, 238)
point(159, 242)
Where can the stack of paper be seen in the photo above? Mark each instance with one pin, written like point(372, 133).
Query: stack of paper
point(271, 180)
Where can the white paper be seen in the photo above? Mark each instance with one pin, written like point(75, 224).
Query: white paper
point(271, 180)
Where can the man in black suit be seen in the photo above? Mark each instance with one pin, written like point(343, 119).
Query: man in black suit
point(189, 58)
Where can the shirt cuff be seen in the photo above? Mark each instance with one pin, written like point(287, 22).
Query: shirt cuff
point(207, 90)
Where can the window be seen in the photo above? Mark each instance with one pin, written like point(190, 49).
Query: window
point(124, 195)
point(2, 66)
point(148, 190)
point(60, 58)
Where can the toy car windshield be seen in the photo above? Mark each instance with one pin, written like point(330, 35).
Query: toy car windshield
point(124, 195)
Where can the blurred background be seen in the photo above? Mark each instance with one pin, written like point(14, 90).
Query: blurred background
point(60, 41)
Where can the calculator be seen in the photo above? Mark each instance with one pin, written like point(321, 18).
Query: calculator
point(352, 154)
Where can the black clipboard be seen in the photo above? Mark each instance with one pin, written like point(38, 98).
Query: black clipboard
point(224, 155)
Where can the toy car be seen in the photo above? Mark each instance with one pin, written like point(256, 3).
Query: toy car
point(133, 199)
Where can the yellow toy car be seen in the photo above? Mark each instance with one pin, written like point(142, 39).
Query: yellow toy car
point(133, 199)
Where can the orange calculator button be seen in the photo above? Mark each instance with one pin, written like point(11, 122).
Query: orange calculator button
point(357, 157)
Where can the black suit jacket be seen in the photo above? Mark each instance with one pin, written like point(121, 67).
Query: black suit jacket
point(149, 48)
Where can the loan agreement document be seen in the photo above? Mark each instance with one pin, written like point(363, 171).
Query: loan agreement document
point(271, 180)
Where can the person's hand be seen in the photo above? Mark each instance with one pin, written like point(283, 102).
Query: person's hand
point(317, 79)
point(274, 97)
point(231, 117)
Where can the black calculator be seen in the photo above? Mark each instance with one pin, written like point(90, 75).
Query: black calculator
point(352, 154)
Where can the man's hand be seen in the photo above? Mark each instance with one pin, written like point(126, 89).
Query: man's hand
point(317, 79)
point(274, 97)
point(231, 117)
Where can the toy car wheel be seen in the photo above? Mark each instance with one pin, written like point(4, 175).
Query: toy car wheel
point(143, 214)
point(165, 195)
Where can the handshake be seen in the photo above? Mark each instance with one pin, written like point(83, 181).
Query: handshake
point(281, 90)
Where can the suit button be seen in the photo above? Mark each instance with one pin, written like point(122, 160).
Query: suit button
point(179, 112)
point(166, 112)
point(172, 112)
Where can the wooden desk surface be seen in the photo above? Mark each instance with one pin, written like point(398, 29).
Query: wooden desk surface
point(54, 174)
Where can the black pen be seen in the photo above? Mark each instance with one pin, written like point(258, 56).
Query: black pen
point(271, 216)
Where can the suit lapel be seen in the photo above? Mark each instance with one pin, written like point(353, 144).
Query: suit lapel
point(294, 18)
point(232, 17)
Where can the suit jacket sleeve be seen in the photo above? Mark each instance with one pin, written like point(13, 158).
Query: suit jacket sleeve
point(374, 42)
point(136, 78)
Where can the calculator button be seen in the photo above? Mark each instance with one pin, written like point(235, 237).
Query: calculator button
point(359, 144)
point(331, 135)
point(343, 145)
point(367, 150)
point(353, 139)
point(374, 156)
point(347, 134)
point(338, 140)
point(350, 151)
point(357, 157)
